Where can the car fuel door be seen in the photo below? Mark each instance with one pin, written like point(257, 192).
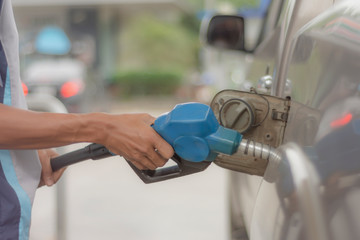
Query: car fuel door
point(260, 118)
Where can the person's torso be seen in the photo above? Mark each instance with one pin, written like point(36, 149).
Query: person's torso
point(19, 169)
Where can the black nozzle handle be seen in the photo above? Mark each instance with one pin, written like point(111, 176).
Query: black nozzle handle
point(96, 151)
point(93, 151)
point(182, 168)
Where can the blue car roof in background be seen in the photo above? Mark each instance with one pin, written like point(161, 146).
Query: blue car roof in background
point(52, 40)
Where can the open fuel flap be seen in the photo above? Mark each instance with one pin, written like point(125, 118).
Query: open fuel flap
point(259, 118)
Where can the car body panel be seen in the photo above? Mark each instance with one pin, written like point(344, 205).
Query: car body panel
point(313, 55)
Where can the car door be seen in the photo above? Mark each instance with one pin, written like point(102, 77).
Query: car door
point(317, 182)
point(250, 195)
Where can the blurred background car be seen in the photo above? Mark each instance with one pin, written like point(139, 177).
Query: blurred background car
point(50, 69)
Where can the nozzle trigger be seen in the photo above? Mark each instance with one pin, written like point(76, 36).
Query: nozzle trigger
point(182, 168)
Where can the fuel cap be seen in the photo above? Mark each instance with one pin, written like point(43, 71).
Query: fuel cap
point(238, 114)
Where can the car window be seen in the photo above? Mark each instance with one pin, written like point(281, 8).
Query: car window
point(272, 17)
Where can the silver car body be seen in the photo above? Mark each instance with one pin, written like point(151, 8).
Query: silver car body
point(311, 51)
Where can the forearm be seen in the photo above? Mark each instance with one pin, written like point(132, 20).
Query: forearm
point(128, 135)
point(22, 129)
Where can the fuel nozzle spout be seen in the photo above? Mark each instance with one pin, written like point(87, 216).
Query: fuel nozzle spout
point(251, 157)
point(266, 157)
point(257, 150)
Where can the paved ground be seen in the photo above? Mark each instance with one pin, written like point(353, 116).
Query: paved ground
point(106, 200)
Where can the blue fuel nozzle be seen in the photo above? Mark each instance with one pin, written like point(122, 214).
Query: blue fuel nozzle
point(195, 134)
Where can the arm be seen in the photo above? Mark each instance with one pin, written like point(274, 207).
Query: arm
point(128, 135)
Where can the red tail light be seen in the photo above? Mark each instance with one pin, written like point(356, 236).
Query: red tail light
point(342, 121)
point(25, 88)
point(70, 89)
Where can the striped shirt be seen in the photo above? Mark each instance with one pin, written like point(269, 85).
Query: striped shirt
point(19, 169)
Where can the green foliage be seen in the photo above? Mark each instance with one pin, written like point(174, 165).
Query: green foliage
point(146, 82)
point(149, 42)
point(191, 23)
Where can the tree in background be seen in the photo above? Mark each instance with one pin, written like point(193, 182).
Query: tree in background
point(148, 42)
point(156, 55)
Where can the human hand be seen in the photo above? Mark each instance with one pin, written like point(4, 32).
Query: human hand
point(131, 136)
point(48, 177)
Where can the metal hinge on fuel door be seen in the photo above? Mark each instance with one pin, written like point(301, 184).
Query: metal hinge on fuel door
point(258, 117)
